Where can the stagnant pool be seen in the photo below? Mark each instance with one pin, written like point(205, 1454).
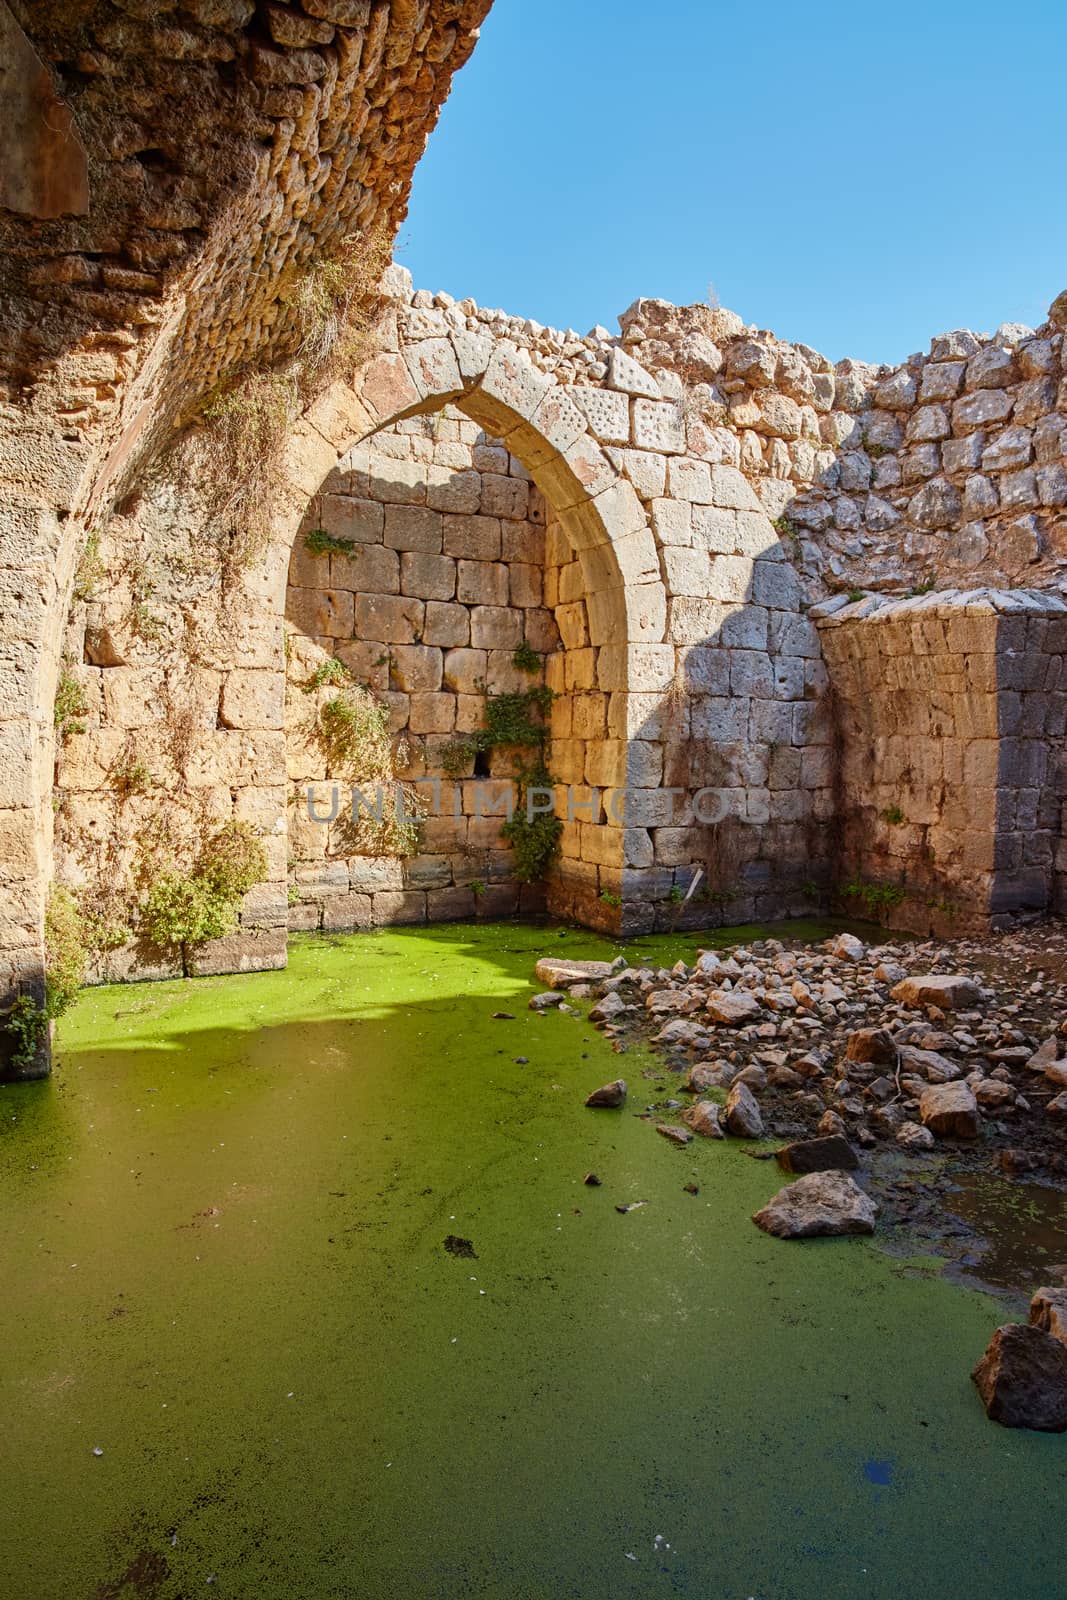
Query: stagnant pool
point(238, 1359)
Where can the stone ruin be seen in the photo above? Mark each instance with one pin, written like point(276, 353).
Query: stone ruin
point(810, 617)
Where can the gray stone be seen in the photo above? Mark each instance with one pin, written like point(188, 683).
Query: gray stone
point(1022, 1379)
point(560, 974)
point(732, 1007)
point(608, 1007)
point(822, 1203)
point(675, 1135)
point(913, 1136)
point(703, 1118)
point(818, 1155)
point(609, 1095)
point(742, 1114)
point(1048, 1310)
point(950, 992)
point(950, 1110)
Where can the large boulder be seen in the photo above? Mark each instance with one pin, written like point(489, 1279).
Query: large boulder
point(556, 973)
point(950, 1110)
point(829, 1203)
point(1048, 1310)
point(703, 1118)
point(732, 1007)
point(947, 992)
point(742, 1114)
point(1022, 1379)
point(818, 1155)
point(610, 1095)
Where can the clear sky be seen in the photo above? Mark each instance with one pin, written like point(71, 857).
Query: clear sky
point(857, 177)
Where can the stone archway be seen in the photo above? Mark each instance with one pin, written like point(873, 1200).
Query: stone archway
point(622, 600)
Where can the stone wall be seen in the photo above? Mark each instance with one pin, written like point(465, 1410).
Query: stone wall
point(443, 581)
point(230, 149)
point(951, 711)
point(654, 513)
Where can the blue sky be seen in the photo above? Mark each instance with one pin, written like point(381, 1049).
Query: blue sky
point(856, 178)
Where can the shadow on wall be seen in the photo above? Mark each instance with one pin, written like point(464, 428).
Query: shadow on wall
point(741, 823)
point(418, 574)
point(723, 744)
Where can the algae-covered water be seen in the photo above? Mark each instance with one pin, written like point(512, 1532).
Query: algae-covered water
point(224, 1268)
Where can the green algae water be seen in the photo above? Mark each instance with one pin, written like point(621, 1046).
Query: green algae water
point(224, 1269)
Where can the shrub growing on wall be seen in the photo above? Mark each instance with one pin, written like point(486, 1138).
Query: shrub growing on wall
point(352, 729)
point(183, 910)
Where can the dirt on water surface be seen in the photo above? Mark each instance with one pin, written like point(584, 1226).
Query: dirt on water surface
point(305, 1296)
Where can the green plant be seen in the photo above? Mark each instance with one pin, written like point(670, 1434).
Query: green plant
point(321, 543)
point(183, 910)
point(892, 815)
point(927, 586)
point(131, 777)
point(145, 624)
point(90, 569)
point(328, 673)
point(786, 528)
point(292, 895)
point(857, 594)
point(875, 897)
point(26, 1024)
point(609, 898)
point(476, 886)
point(455, 757)
point(65, 952)
point(810, 889)
point(533, 839)
point(526, 658)
point(516, 718)
point(675, 894)
point(353, 733)
point(70, 706)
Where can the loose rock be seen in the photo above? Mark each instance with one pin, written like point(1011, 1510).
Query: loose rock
point(609, 1095)
point(822, 1203)
point(818, 1155)
point(947, 993)
point(559, 974)
point(703, 1118)
point(742, 1114)
point(1022, 1379)
point(950, 1109)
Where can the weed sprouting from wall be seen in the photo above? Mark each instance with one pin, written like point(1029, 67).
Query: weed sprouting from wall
point(352, 731)
point(70, 707)
point(26, 1023)
point(182, 910)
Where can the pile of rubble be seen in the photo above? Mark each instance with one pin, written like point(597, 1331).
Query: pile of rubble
point(844, 1042)
point(912, 1048)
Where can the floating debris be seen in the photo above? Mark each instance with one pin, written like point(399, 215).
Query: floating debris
point(460, 1247)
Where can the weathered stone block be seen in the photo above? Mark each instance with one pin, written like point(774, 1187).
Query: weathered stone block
point(413, 528)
